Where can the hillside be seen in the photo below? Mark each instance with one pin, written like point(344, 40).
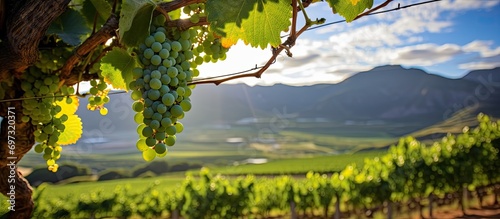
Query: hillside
point(389, 99)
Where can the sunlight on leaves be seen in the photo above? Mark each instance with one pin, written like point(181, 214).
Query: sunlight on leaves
point(72, 132)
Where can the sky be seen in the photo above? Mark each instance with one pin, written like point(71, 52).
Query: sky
point(447, 38)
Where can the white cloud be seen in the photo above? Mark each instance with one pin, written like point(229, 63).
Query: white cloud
point(426, 54)
point(479, 65)
point(482, 63)
point(394, 38)
point(482, 47)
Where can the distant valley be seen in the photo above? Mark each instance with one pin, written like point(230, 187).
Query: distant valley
point(387, 99)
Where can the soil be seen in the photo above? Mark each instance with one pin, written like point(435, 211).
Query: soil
point(491, 211)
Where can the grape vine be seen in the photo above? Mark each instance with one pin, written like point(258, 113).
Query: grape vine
point(45, 113)
point(160, 89)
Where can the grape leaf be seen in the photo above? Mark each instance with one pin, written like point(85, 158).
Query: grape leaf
point(135, 19)
point(116, 67)
point(256, 22)
point(68, 109)
point(349, 9)
point(72, 131)
point(91, 8)
point(70, 27)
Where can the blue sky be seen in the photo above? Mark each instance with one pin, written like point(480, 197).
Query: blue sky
point(448, 38)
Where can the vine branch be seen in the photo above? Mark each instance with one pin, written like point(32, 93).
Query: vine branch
point(101, 36)
point(24, 28)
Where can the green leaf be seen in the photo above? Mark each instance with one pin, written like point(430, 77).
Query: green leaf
point(70, 27)
point(91, 8)
point(256, 22)
point(349, 9)
point(117, 67)
point(68, 109)
point(72, 132)
point(135, 19)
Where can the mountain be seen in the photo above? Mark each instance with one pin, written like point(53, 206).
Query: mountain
point(383, 95)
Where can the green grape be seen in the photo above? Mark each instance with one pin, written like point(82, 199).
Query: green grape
point(156, 46)
point(51, 162)
point(160, 136)
point(160, 148)
point(102, 86)
point(136, 95)
point(138, 106)
point(168, 99)
point(161, 108)
point(155, 124)
point(166, 122)
point(176, 110)
point(156, 74)
point(179, 127)
point(185, 105)
point(195, 18)
point(39, 148)
point(157, 117)
point(153, 94)
point(149, 154)
point(141, 145)
point(147, 131)
point(148, 53)
point(170, 141)
point(164, 88)
point(93, 91)
point(103, 111)
point(160, 20)
point(150, 141)
point(138, 118)
point(174, 82)
point(155, 84)
point(163, 154)
point(160, 38)
point(164, 53)
point(176, 46)
point(149, 41)
point(171, 130)
point(156, 60)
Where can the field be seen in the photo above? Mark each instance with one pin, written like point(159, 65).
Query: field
point(294, 150)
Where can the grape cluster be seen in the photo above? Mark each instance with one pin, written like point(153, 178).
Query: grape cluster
point(98, 96)
point(160, 88)
point(42, 91)
point(207, 47)
point(52, 59)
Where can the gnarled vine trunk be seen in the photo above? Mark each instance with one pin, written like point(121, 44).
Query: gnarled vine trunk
point(23, 23)
point(12, 184)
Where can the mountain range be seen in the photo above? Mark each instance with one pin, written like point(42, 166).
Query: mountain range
point(385, 94)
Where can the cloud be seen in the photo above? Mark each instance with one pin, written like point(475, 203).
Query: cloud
point(485, 63)
point(482, 47)
point(426, 54)
point(401, 37)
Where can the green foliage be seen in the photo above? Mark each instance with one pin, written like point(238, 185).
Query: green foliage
point(70, 27)
point(256, 22)
point(409, 170)
point(135, 18)
point(117, 68)
point(349, 9)
point(97, 11)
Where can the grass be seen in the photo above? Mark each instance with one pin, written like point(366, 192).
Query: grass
point(332, 163)
point(137, 185)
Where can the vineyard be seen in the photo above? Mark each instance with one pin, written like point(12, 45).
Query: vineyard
point(410, 174)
